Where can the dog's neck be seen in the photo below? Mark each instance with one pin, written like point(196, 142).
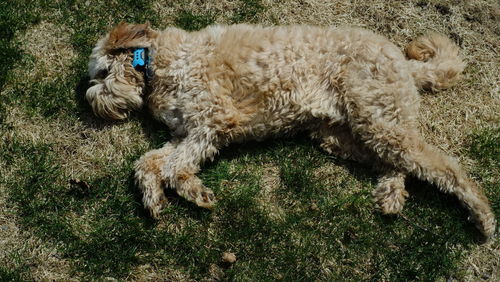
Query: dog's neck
point(142, 62)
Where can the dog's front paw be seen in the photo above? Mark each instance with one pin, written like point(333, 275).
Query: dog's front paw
point(153, 196)
point(156, 206)
point(194, 191)
point(205, 199)
point(201, 196)
point(389, 197)
point(150, 181)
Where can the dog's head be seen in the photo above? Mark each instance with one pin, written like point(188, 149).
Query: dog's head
point(117, 87)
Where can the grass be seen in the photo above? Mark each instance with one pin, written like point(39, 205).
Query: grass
point(70, 209)
point(189, 21)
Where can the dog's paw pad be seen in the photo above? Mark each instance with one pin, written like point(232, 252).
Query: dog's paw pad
point(206, 199)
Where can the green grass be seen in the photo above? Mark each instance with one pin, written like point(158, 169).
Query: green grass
point(189, 21)
point(247, 11)
point(8, 275)
point(15, 17)
point(485, 147)
point(103, 231)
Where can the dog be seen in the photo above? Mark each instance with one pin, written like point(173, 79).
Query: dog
point(353, 90)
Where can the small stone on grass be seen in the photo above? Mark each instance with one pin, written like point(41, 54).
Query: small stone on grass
point(229, 257)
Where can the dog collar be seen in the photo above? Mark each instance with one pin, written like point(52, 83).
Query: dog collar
point(142, 62)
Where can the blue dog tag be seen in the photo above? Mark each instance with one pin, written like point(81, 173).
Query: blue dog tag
point(139, 58)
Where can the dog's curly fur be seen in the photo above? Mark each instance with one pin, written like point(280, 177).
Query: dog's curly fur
point(353, 90)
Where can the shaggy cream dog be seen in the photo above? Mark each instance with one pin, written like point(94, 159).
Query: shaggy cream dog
point(352, 90)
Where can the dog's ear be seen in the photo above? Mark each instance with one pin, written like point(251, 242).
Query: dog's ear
point(126, 35)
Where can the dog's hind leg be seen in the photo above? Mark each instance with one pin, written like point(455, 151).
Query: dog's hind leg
point(390, 194)
point(148, 178)
point(408, 151)
point(404, 148)
point(338, 141)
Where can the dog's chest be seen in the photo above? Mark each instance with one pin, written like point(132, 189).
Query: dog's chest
point(167, 112)
point(173, 119)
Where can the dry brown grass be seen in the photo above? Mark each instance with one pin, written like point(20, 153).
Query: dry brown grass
point(50, 46)
point(83, 149)
point(270, 182)
point(339, 177)
point(482, 262)
point(148, 272)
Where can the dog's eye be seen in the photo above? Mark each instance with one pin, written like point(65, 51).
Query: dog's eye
point(102, 74)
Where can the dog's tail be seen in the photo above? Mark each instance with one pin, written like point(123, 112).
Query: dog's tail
point(435, 61)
